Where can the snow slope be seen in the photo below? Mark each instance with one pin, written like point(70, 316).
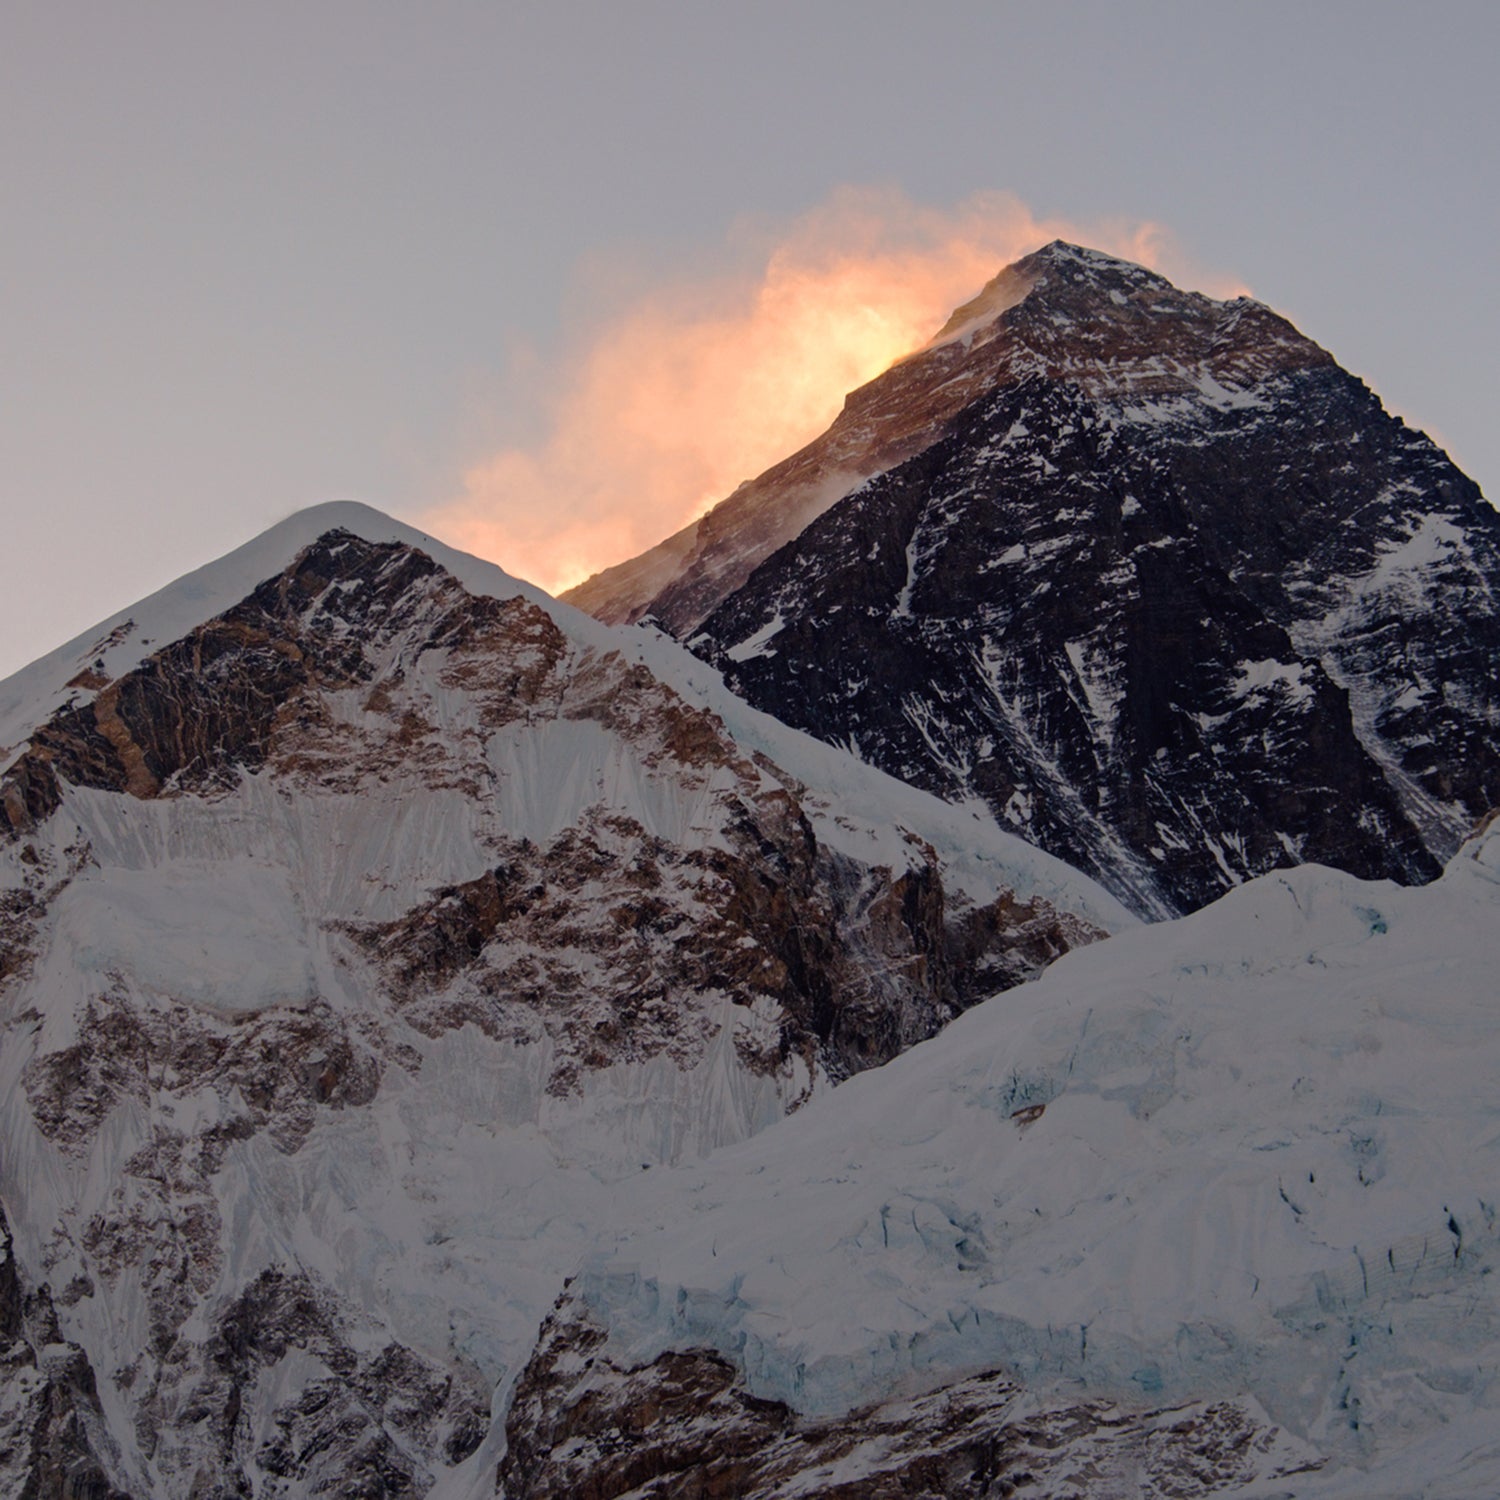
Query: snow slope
point(300, 1206)
point(1250, 1153)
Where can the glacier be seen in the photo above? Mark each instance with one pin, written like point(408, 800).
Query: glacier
point(1253, 1151)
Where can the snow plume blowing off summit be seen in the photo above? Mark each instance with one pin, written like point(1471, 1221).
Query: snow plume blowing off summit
point(687, 389)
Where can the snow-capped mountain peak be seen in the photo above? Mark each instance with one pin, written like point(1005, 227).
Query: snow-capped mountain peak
point(451, 1045)
point(1158, 582)
point(365, 917)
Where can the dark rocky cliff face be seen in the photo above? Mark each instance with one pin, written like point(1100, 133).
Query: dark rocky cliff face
point(201, 711)
point(51, 1428)
point(1175, 597)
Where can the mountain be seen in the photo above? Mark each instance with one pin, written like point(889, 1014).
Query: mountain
point(1152, 578)
point(453, 1046)
point(1208, 1209)
point(371, 926)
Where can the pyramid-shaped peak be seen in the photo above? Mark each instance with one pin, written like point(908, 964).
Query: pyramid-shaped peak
point(1111, 331)
point(1065, 255)
point(1058, 269)
point(1061, 264)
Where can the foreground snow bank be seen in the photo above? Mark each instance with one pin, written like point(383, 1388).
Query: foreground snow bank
point(1251, 1151)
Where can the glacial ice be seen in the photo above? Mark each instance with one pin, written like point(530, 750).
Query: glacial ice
point(1266, 1163)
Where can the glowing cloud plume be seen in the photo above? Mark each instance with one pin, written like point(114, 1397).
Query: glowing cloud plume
point(689, 390)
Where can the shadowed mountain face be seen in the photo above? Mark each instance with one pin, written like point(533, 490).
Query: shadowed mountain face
point(1170, 592)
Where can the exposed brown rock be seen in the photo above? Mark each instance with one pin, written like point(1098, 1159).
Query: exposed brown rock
point(245, 686)
point(284, 1063)
point(583, 1426)
point(861, 964)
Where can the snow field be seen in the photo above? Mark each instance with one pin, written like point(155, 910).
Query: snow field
point(1252, 1151)
point(1267, 1163)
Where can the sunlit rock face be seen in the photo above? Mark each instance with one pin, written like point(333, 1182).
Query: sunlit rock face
point(1170, 592)
point(371, 927)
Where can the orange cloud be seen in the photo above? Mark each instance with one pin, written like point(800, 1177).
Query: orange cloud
point(687, 390)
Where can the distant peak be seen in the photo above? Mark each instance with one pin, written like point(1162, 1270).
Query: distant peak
point(1065, 250)
point(1080, 266)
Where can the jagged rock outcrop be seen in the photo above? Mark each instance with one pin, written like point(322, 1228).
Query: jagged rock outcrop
point(1171, 593)
point(362, 936)
point(586, 1426)
point(52, 1430)
point(367, 1418)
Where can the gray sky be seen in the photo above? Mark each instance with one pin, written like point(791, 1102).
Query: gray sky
point(253, 257)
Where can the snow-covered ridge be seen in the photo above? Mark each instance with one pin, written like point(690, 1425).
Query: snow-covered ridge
point(1251, 1151)
point(851, 795)
point(122, 641)
point(998, 296)
point(369, 924)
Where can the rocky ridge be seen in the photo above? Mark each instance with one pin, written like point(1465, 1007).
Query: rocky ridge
point(915, 403)
point(891, 418)
point(685, 1425)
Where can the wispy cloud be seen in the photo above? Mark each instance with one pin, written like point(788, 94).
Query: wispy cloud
point(690, 387)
